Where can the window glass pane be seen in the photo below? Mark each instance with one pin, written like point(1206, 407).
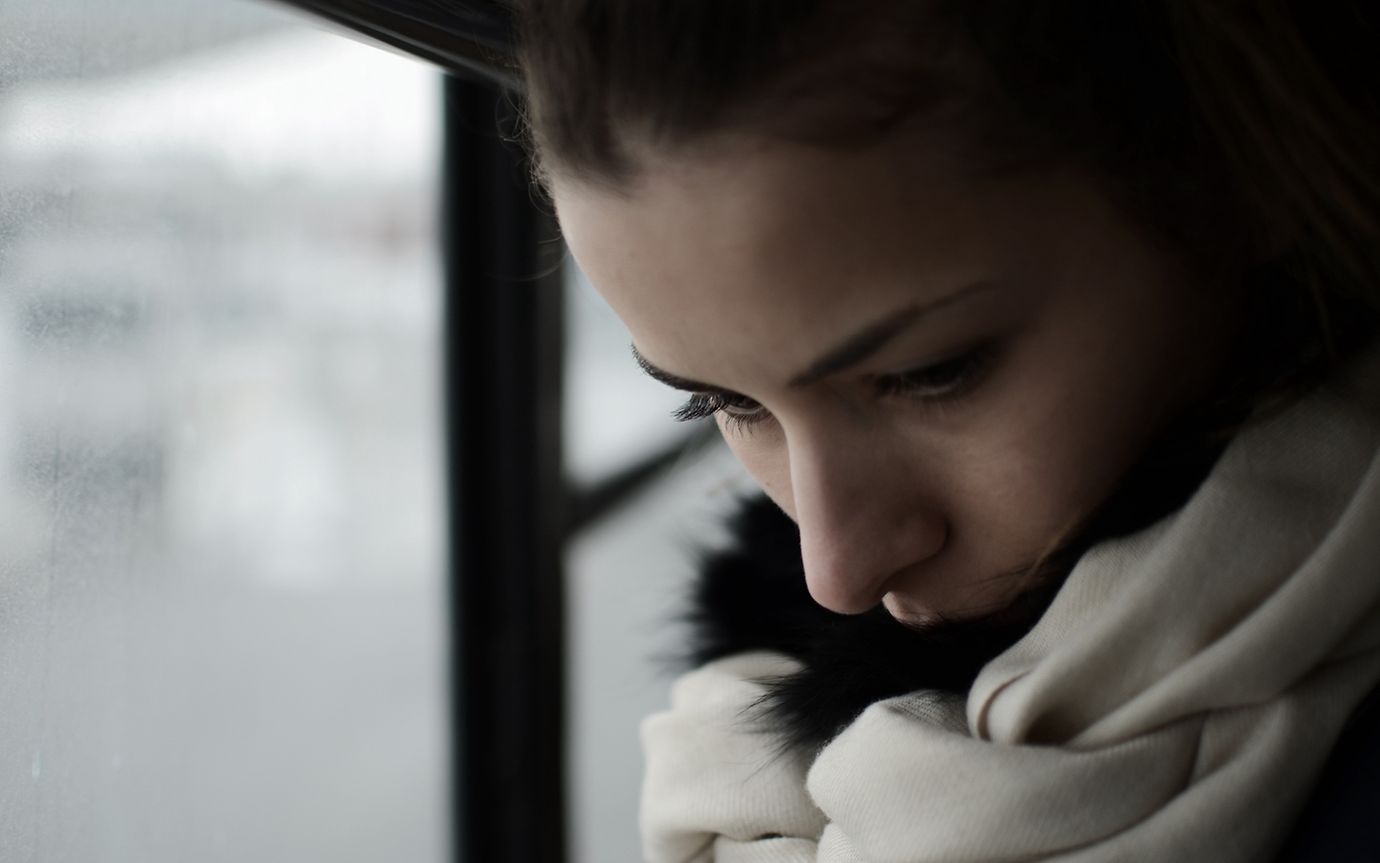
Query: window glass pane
point(628, 573)
point(221, 580)
point(614, 414)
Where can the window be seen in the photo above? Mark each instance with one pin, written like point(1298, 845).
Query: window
point(628, 570)
point(221, 472)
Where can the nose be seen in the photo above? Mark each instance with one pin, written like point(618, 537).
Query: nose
point(865, 519)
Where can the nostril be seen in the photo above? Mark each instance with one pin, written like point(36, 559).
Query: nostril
point(843, 588)
point(850, 574)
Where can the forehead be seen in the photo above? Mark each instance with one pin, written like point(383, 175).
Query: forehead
point(779, 245)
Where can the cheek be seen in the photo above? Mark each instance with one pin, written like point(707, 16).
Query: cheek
point(1072, 419)
point(761, 449)
point(1023, 490)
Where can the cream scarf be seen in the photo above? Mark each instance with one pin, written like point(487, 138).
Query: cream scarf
point(1175, 703)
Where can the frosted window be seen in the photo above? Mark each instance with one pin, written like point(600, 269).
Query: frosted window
point(614, 414)
point(221, 575)
point(627, 575)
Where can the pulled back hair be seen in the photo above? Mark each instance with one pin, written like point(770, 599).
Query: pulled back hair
point(1245, 133)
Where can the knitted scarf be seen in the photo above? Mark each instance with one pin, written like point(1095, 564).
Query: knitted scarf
point(1175, 702)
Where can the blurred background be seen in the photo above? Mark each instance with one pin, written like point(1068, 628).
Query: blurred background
point(223, 627)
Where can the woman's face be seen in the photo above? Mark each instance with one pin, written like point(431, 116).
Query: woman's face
point(936, 374)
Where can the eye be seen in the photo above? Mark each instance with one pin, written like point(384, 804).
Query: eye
point(737, 410)
point(946, 379)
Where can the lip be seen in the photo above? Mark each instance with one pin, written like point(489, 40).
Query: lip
point(906, 614)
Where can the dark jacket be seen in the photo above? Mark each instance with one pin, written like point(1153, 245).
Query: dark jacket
point(1341, 823)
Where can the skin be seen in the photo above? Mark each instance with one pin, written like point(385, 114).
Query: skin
point(742, 263)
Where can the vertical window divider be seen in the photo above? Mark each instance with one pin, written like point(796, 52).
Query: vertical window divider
point(503, 349)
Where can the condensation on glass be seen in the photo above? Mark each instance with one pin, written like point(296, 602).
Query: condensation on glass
point(221, 615)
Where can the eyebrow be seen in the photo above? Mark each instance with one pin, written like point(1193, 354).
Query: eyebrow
point(671, 380)
point(845, 355)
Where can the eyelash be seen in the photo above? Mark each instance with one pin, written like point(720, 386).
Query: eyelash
point(703, 405)
point(939, 382)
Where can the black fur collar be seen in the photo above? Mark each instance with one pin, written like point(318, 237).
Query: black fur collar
point(752, 596)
